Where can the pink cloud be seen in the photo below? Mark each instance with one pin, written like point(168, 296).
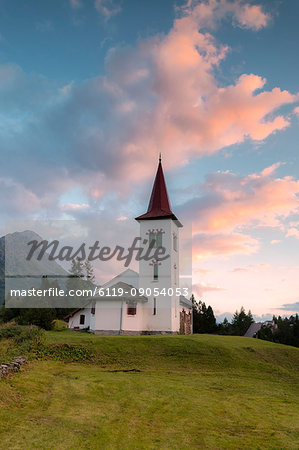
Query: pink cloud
point(244, 15)
point(200, 288)
point(252, 268)
point(251, 16)
point(293, 232)
point(253, 200)
point(275, 241)
point(168, 85)
point(208, 244)
point(73, 206)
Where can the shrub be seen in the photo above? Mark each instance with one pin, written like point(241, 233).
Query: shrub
point(21, 339)
point(59, 325)
point(10, 330)
point(30, 333)
point(20, 333)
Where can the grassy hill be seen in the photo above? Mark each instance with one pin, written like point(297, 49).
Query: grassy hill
point(149, 392)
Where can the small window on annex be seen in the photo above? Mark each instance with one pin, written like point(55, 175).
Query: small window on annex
point(132, 309)
point(82, 319)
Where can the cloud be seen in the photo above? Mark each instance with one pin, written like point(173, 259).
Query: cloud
point(201, 288)
point(210, 12)
point(17, 200)
point(296, 110)
point(207, 245)
point(230, 201)
point(161, 95)
point(251, 267)
point(107, 7)
point(226, 208)
point(251, 16)
point(240, 269)
point(73, 206)
point(291, 307)
point(292, 231)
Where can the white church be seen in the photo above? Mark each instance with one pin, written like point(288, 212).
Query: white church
point(151, 301)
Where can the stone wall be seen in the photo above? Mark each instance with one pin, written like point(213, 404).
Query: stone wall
point(13, 366)
point(185, 322)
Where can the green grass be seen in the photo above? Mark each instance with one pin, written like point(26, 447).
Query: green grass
point(150, 392)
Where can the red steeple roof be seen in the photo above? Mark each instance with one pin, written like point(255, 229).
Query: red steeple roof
point(159, 205)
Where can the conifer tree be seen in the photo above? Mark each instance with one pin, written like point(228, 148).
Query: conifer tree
point(89, 273)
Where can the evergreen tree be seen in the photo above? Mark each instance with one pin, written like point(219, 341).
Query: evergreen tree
point(78, 284)
point(204, 320)
point(241, 322)
point(210, 321)
point(89, 273)
point(224, 327)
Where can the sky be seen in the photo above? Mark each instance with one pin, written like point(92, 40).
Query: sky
point(92, 90)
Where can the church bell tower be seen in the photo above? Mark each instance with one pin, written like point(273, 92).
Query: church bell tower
point(160, 279)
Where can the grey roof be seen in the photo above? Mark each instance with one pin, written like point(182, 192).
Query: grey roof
point(127, 276)
point(185, 302)
point(254, 328)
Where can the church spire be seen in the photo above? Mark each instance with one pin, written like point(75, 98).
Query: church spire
point(159, 205)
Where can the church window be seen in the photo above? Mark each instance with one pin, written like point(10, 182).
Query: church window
point(152, 239)
point(93, 309)
point(155, 306)
point(175, 242)
point(159, 239)
point(131, 310)
point(82, 319)
point(156, 271)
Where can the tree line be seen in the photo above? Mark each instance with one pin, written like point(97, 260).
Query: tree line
point(204, 320)
point(284, 331)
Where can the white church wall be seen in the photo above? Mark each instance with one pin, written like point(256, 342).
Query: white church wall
point(133, 322)
point(167, 307)
point(112, 316)
point(107, 315)
point(74, 321)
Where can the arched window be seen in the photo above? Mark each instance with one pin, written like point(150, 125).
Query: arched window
point(175, 243)
point(159, 239)
point(152, 239)
point(155, 239)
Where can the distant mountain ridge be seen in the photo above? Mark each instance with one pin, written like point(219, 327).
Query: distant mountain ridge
point(13, 252)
